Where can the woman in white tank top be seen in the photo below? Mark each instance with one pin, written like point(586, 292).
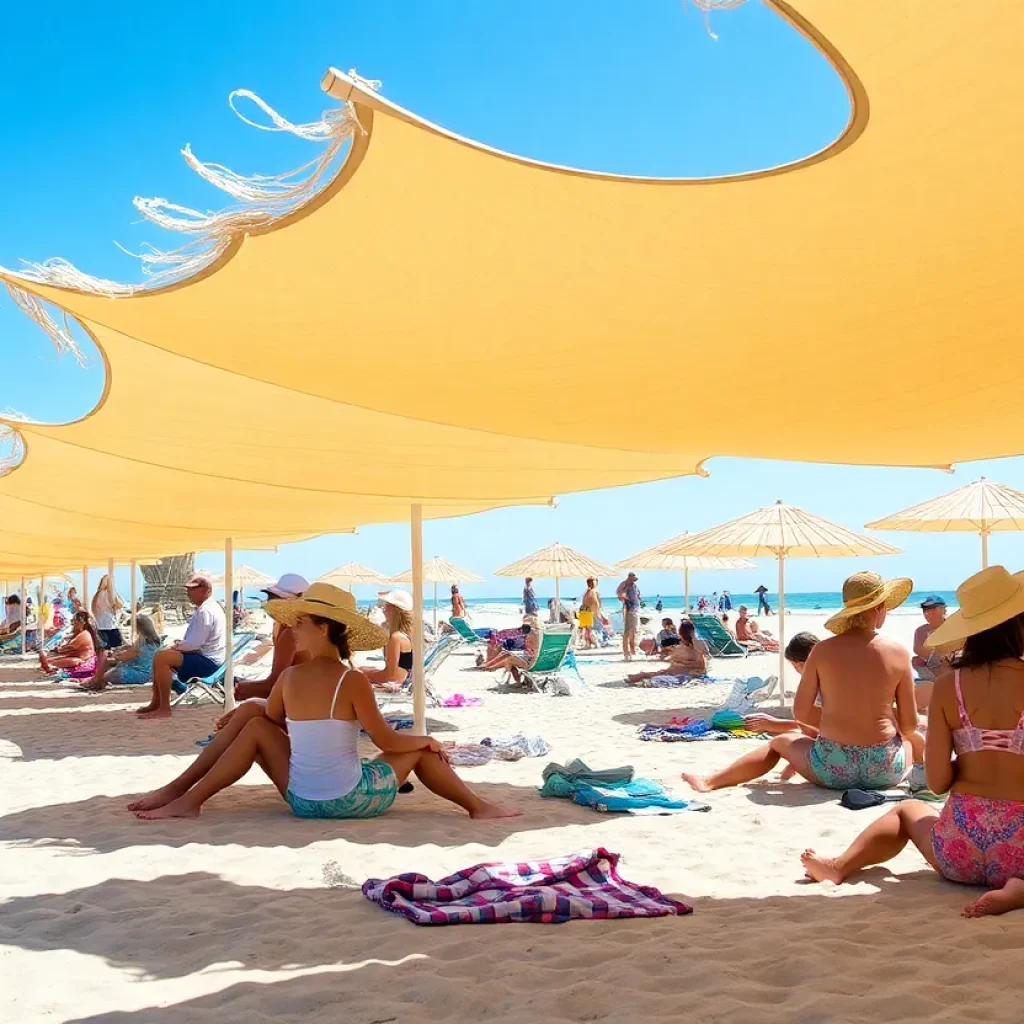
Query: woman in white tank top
point(322, 704)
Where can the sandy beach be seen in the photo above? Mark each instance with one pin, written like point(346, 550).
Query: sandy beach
point(245, 914)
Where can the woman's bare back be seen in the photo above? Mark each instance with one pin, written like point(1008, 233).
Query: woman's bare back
point(859, 674)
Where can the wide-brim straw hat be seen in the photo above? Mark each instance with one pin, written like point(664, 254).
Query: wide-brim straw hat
point(987, 599)
point(866, 590)
point(327, 602)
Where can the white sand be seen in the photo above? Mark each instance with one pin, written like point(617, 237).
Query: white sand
point(227, 918)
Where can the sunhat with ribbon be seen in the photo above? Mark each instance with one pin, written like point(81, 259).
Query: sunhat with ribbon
point(987, 599)
point(329, 602)
point(866, 590)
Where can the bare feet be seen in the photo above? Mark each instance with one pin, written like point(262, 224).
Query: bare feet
point(697, 782)
point(179, 808)
point(998, 901)
point(821, 869)
point(149, 713)
point(158, 798)
point(489, 811)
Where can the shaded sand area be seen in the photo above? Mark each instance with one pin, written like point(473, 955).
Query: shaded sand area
point(230, 918)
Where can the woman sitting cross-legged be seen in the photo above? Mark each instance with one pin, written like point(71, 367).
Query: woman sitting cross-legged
point(867, 725)
point(688, 658)
point(975, 750)
point(78, 654)
point(128, 666)
point(322, 704)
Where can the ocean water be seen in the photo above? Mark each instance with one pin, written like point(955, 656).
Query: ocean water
point(813, 601)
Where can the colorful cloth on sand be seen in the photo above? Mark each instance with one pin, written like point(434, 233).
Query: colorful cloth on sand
point(498, 748)
point(578, 770)
point(584, 885)
point(667, 681)
point(459, 700)
point(626, 796)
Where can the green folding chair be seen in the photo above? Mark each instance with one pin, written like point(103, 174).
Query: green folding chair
point(717, 637)
point(555, 644)
point(463, 628)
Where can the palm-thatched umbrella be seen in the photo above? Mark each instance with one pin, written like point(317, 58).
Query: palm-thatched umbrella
point(981, 507)
point(556, 562)
point(781, 531)
point(352, 573)
point(658, 559)
point(440, 570)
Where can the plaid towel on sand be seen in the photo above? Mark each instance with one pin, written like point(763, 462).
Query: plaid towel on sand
point(586, 885)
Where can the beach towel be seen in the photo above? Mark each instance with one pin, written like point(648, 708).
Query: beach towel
point(697, 730)
point(584, 885)
point(498, 748)
point(459, 700)
point(625, 796)
point(576, 769)
point(665, 682)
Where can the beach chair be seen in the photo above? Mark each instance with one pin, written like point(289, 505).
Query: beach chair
point(717, 637)
point(432, 661)
point(211, 687)
point(555, 644)
point(465, 631)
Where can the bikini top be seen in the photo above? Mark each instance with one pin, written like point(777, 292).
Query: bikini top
point(970, 740)
point(405, 660)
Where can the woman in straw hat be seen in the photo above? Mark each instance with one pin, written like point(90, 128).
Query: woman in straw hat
point(975, 751)
point(322, 704)
point(867, 720)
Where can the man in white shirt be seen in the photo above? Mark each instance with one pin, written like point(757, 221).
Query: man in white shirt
point(199, 653)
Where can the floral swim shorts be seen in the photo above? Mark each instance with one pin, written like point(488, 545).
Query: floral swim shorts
point(848, 766)
point(374, 794)
point(980, 841)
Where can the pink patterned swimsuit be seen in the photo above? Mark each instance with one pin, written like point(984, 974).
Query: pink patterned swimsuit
point(979, 840)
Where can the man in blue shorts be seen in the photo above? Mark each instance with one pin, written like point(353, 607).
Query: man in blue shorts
point(200, 652)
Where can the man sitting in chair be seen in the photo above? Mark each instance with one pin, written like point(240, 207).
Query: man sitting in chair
point(199, 653)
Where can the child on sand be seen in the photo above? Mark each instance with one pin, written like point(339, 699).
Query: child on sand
point(975, 751)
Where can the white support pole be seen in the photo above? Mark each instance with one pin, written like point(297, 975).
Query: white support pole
point(112, 589)
point(686, 590)
point(558, 604)
point(24, 616)
point(41, 622)
point(229, 615)
point(134, 598)
point(782, 629)
point(984, 549)
point(85, 589)
point(435, 607)
point(419, 691)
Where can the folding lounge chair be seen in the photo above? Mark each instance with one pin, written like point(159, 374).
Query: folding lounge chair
point(717, 637)
point(555, 644)
point(211, 687)
point(432, 661)
point(465, 631)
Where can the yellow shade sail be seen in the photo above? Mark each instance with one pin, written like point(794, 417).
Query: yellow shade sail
point(981, 507)
point(440, 570)
point(851, 280)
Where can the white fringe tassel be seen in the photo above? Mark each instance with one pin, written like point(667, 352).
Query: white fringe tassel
point(260, 200)
point(707, 6)
point(12, 446)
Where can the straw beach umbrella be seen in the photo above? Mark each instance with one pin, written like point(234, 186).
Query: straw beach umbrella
point(657, 559)
point(981, 507)
point(352, 573)
point(781, 531)
point(556, 562)
point(440, 570)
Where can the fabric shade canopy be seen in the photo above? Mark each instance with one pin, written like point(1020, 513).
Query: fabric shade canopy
point(859, 271)
point(781, 531)
point(981, 507)
point(659, 558)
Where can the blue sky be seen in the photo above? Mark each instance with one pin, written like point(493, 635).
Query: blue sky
point(99, 99)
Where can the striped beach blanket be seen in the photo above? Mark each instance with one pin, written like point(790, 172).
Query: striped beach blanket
point(584, 885)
